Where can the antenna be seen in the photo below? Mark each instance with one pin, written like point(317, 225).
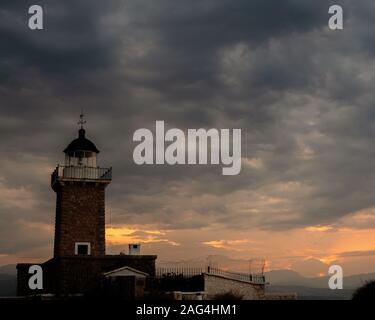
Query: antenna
point(81, 121)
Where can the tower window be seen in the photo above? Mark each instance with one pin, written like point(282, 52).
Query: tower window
point(82, 248)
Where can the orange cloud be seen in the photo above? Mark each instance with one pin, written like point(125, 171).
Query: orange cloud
point(319, 228)
point(120, 235)
point(235, 245)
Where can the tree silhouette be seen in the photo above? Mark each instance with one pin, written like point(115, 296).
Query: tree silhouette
point(366, 292)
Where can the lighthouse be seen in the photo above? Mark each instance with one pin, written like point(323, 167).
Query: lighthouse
point(80, 264)
point(80, 186)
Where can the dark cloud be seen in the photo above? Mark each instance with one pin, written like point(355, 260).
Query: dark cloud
point(302, 95)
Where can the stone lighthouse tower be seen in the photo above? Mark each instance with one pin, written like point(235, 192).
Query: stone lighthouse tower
point(80, 200)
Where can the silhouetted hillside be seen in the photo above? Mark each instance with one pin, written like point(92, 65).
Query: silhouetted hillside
point(8, 280)
point(8, 269)
point(8, 285)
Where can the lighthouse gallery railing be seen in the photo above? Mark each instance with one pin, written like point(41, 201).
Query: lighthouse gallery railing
point(81, 173)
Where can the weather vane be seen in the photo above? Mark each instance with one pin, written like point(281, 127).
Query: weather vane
point(81, 121)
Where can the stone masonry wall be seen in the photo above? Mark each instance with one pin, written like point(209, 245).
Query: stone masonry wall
point(80, 217)
point(214, 284)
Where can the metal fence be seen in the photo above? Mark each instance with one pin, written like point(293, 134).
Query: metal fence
point(189, 272)
point(254, 278)
point(186, 272)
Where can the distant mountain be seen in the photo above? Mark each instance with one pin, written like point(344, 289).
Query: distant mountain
point(8, 269)
point(292, 278)
point(288, 281)
point(8, 285)
point(8, 280)
point(285, 277)
point(357, 280)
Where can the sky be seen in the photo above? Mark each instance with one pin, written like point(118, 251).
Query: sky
point(301, 93)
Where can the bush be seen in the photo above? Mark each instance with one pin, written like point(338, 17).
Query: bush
point(366, 292)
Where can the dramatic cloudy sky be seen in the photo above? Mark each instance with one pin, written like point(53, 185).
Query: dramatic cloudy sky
point(302, 94)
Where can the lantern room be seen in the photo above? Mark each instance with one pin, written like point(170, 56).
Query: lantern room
point(81, 152)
